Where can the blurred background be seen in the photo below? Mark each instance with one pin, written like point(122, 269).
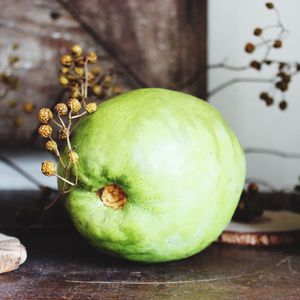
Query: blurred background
point(144, 46)
point(188, 45)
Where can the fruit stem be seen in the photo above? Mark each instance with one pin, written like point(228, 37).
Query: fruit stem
point(112, 195)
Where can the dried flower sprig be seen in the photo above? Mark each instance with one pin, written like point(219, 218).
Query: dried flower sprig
point(85, 83)
point(285, 70)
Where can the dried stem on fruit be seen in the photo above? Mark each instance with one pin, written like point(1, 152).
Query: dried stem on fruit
point(79, 81)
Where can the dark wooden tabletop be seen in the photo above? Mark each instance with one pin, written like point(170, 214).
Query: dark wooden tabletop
point(61, 265)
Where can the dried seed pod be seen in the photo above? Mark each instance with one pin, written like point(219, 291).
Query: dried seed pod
point(90, 77)
point(264, 96)
point(91, 57)
point(96, 70)
point(107, 80)
point(79, 61)
point(283, 105)
point(64, 70)
point(19, 121)
point(63, 133)
point(61, 109)
point(282, 85)
point(75, 92)
point(48, 168)
point(268, 62)
point(91, 107)
point(97, 90)
point(257, 31)
point(10, 80)
point(249, 48)
point(269, 101)
point(287, 78)
point(79, 71)
point(71, 77)
point(66, 60)
point(63, 80)
point(281, 66)
point(45, 115)
point(45, 131)
point(74, 105)
point(73, 157)
point(284, 76)
point(277, 44)
point(117, 90)
point(253, 188)
point(28, 107)
point(247, 209)
point(76, 50)
point(13, 59)
point(51, 146)
point(255, 64)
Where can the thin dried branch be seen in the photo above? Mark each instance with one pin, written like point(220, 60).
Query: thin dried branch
point(273, 152)
point(285, 70)
point(229, 67)
point(237, 80)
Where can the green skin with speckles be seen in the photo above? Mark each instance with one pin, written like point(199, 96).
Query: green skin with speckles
point(180, 165)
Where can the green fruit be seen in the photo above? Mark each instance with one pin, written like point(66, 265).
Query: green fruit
point(172, 159)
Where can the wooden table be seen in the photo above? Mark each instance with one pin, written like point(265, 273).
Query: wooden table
point(61, 265)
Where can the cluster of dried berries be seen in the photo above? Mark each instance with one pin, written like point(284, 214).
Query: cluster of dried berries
point(98, 83)
point(248, 208)
point(7, 79)
point(10, 82)
point(285, 70)
point(81, 75)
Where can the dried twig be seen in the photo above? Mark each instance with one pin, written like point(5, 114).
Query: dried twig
point(252, 150)
point(285, 69)
point(237, 80)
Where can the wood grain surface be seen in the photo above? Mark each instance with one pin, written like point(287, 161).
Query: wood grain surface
point(61, 265)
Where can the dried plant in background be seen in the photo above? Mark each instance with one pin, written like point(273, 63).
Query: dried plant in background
point(8, 80)
point(85, 82)
point(9, 83)
point(261, 49)
point(284, 70)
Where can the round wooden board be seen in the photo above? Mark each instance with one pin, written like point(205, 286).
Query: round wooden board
point(273, 228)
point(12, 253)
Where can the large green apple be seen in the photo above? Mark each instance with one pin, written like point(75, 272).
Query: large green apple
point(159, 175)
